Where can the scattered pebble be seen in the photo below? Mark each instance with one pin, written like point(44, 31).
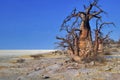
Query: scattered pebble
point(45, 77)
point(37, 69)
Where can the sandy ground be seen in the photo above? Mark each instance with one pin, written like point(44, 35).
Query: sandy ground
point(33, 65)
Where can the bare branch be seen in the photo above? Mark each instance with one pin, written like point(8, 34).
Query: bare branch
point(74, 14)
point(107, 36)
point(105, 23)
point(96, 13)
point(97, 23)
point(74, 11)
point(90, 6)
point(75, 21)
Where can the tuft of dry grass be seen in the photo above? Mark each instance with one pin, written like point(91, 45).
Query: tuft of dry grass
point(114, 50)
point(107, 53)
point(48, 55)
point(37, 56)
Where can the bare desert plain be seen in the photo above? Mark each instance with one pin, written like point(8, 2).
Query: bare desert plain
point(56, 65)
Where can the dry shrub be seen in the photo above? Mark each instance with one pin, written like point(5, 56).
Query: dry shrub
point(38, 56)
point(107, 53)
point(20, 60)
point(60, 52)
point(114, 50)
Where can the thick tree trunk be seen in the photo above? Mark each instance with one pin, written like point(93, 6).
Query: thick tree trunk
point(96, 43)
point(85, 40)
point(76, 47)
point(100, 46)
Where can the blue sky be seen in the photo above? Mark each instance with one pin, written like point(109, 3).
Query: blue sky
point(33, 24)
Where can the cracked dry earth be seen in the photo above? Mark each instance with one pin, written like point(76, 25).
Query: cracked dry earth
point(58, 67)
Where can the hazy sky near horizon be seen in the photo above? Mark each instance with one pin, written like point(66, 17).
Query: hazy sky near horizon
point(33, 24)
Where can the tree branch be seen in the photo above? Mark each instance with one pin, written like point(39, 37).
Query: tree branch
point(90, 7)
point(105, 23)
point(74, 14)
point(107, 36)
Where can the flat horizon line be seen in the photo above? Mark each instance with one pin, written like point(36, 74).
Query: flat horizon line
point(25, 49)
point(23, 52)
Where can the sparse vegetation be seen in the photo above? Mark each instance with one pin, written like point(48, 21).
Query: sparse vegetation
point(88, 54)
point(36, 56)
point(20, 60)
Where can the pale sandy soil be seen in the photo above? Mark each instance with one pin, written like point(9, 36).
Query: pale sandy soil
point(56, 66)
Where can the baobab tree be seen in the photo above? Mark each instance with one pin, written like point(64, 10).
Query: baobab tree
point(78, 40)
point(99, 40)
